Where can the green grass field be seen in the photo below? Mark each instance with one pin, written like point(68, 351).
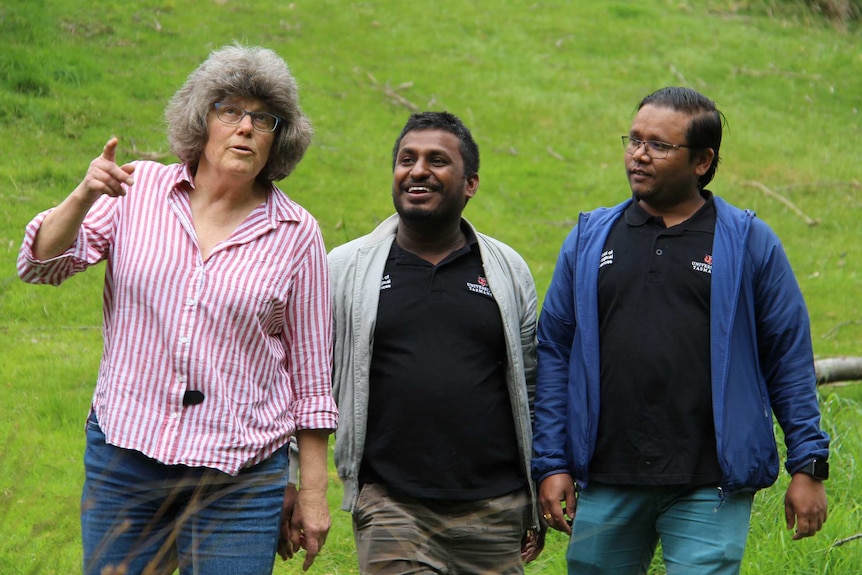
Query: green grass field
point(547, 88)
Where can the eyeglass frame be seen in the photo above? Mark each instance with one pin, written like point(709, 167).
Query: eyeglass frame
point(219, 105)
point(650, 146)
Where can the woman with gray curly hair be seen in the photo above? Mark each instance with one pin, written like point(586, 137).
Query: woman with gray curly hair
point(217, 333)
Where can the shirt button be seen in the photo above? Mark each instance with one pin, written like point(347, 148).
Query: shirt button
point(190, 302)
point(175, 415)
point(658, 252)
point(184, 340)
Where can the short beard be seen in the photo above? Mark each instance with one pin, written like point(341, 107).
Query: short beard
point(427, 221)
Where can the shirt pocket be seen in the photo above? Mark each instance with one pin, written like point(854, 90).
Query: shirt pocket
point(248, 295)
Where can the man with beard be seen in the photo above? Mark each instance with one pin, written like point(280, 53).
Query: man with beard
point(434, 366)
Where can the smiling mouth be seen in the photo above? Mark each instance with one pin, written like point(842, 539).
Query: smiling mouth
point(419, 190)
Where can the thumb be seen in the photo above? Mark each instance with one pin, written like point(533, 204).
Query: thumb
point(110, 149)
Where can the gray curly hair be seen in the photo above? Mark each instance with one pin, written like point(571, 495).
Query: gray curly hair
point(240, 72)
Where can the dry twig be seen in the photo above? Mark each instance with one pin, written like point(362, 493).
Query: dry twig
point(678, 75)
point(397, 98)
point(154, 156)
point(392, 93)
point(835, 328)
point(554, 154)
point(852, 184)
point(774, 71)
point(841, 542)
point(773, 194)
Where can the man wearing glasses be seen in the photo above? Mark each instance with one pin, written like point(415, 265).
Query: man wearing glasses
point(671, 332)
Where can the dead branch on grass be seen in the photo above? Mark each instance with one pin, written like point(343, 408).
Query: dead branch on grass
point(834, 329)
point(554, 154)
point(392, 93)
point(774, 71)
point(846, 540)
point(834, 369)
point(678, 75)
point(154, 156)
point(773, 194)
point(852, 184)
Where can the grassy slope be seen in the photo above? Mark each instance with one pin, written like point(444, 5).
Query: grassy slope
point(546, 87)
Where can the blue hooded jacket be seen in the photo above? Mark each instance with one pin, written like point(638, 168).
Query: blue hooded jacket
point(761, 355)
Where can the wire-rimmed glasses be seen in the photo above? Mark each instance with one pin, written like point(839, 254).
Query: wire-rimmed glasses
point(654, 149)
point(232, 115)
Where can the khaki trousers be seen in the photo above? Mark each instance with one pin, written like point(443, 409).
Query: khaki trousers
point(398, 535)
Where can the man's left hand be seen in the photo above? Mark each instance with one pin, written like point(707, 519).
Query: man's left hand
point(805, 505)
point(532, 544)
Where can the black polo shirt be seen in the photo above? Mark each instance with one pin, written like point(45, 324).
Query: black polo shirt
point(440, 421)
point(656, 424)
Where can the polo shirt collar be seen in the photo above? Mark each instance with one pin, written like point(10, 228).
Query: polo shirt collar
point(702, 220)
point(472, 245)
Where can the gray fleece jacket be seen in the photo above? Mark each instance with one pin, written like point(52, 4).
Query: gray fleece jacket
point(356, 269)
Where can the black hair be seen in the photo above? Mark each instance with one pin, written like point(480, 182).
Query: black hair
point(706, 124)
point(450, 123)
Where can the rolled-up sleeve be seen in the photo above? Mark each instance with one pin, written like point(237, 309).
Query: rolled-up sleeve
point(89, 248)
point(309, 345)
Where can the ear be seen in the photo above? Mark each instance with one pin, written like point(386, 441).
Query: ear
point(703, 160)
point(472, 186)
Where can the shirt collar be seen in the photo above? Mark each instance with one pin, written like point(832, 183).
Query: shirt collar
point(279, 207)
point(702, 220)
point(472, 246)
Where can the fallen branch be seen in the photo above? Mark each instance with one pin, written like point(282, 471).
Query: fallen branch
point(392, 93)
point(832, 369)
point(554, 154)
point(773, 71)
point(399, 99)
point(773, 194)
point(678, 75)
point(835, 328)
point(154, 156)
point(853, 184)
point(841, 542)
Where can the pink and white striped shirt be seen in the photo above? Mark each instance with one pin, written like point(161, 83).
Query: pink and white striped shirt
point(250, 327)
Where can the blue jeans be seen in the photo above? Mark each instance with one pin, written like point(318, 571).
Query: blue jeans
point(147, 517)
point(616, 530)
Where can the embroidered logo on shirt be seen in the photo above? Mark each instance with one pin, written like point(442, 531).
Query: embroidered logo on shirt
point(607, 259)
point(385, 282)
point(705, 266)
point(480, 287)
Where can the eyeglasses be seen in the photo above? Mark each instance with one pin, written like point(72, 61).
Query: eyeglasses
point(655, 150)
point(233, 115)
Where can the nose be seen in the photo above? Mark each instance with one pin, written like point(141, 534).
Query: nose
point(419, 169)
point(640, 153)
point(245, 123)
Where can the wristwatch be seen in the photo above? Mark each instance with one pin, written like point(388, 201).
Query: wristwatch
point(816, 468)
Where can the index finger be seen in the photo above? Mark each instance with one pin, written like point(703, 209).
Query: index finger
point(312, 548)
point(110, 150)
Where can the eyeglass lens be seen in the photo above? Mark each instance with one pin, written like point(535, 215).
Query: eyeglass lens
point(656, 150)
point(262, 121)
